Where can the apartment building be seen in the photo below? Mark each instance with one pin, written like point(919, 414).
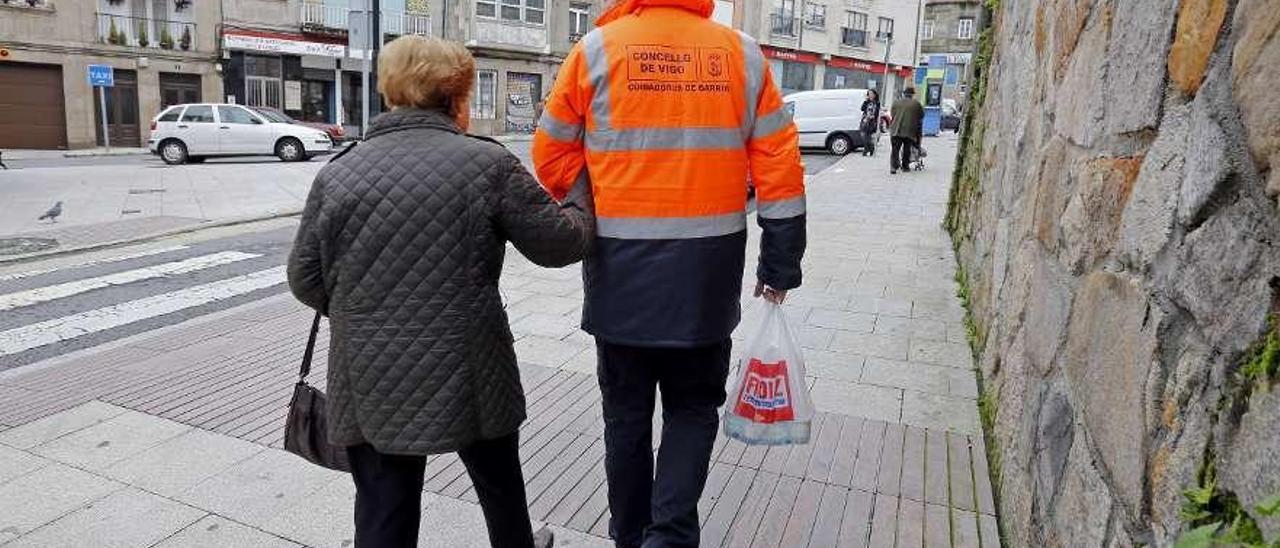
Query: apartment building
point(292, 54)
point(162, 52)
point(950, 29)
point(835, 44)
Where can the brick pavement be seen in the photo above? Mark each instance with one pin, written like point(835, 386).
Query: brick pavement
point(897, 457)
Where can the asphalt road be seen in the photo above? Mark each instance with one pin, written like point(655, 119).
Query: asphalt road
point(814, 161)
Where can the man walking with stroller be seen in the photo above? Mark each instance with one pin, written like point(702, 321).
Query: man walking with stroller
point(905, 130)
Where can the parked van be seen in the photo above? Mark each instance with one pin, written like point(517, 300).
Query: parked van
point(829, 118)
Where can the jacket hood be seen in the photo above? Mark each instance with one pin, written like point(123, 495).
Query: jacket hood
point(623, 8)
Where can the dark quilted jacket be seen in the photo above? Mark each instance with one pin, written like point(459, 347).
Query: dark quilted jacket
point(401, 245)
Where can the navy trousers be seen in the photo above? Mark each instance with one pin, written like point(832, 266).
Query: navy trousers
point(659, 508)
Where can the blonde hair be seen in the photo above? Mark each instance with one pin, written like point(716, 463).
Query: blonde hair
point(426, 73)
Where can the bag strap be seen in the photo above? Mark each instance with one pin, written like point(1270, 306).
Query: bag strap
point(311, 350)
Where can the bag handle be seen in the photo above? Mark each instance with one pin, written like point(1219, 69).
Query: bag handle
point(311, 350)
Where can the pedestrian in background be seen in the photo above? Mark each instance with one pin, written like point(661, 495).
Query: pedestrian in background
point(906, 130)
point(870, 121)
point(401, 245)
point(668, 142)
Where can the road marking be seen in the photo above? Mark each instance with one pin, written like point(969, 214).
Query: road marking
point(115, 259)
point(63, 290)
point(70, 327)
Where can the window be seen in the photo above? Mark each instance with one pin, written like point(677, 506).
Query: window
point(885, 30)
point(262, 92)
point(786, 8)
point(484, 107)
point(535, 11)
point(857, 21)
point(236, 115)
point(815, 15)
point(926, 30)
point(202, 114)
point(529, 11)
point(579, 20)
point(170, 115)
point(965, 30)
point(855, 33)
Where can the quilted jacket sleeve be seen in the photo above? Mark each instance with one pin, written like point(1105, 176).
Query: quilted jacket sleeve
point(550, 234)
point(306, 272)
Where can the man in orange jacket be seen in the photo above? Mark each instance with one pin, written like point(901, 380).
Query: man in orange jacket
point(665, 116)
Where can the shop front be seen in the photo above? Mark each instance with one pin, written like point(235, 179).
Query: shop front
point(847, 73)
point(300, 76)
point(792, 70)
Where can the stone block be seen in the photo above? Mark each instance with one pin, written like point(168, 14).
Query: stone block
point(1048, 307)
point(325, 519)
point(54, 426)
point(180, 463)
point(1091, 222)
point(859, 400)
point(256, 490)
point(957, 355)
point(940, 412)
point(907, 375)
point(880, 346)
point(128, 517)
point(1136, 63)
point(102, 445)
point(1199, 22)
point(15, 463)
point(1255, 67)
point(1077, 114)
point(1223, 272)
point(1110, 348)
point(1054, 435)
point(1147, 221)
point(42, 496)
point(839, 319)
point(1251, 465)
point(1207, 165)
point(217, 532)
point(841, 366)
point(1082, 510)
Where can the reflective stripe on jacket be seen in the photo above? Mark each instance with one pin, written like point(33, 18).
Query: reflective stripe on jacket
point(666, 116)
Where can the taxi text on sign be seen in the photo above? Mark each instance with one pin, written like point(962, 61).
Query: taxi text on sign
point(101, 76)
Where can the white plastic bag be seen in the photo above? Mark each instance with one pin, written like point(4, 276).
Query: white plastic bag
point(770, 403)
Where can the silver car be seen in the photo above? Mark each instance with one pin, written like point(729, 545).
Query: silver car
point(191, 133)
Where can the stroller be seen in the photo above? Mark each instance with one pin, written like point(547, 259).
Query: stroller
point(917, 161)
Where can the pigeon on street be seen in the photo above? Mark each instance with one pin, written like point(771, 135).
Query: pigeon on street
point(53, 213)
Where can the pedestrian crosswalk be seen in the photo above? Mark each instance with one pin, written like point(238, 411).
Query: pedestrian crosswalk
point(50, 310)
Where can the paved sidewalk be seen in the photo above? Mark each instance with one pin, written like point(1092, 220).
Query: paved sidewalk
point(184, 423)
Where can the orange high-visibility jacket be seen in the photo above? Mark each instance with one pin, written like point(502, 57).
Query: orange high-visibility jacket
point(667, 117)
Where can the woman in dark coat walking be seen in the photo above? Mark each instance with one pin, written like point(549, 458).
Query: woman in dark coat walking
point(401, 245)
point(870, 121)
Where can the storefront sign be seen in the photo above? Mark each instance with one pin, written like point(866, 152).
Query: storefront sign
point(856, 64)
point(788, 55)
point(278, 43)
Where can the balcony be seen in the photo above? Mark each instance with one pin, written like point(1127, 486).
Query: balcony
point(854, 38)
point(141, 32)
point(784, 24)
point(511, 35)
point(324, 19)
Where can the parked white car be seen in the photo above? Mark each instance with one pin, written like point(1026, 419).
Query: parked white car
point(191, 133)
point(829, 118)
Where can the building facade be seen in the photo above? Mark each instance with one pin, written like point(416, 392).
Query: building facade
point(950, 29)
point(836, 44)
point(162, 52)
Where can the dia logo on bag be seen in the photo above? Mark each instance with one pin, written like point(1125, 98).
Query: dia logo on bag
point(764, 397)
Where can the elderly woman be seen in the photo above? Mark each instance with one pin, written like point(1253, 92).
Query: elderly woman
point(401, 245)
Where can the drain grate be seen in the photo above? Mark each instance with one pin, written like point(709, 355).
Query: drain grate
point(22, 246)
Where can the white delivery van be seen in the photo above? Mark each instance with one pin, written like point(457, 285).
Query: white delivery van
point(828, 118)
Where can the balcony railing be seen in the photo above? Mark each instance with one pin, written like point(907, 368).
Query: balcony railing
point(141, 32)
point(784, 24)
point(853, 37)
point(334, 19)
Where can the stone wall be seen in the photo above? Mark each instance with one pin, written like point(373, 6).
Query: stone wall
point(1117, 226)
